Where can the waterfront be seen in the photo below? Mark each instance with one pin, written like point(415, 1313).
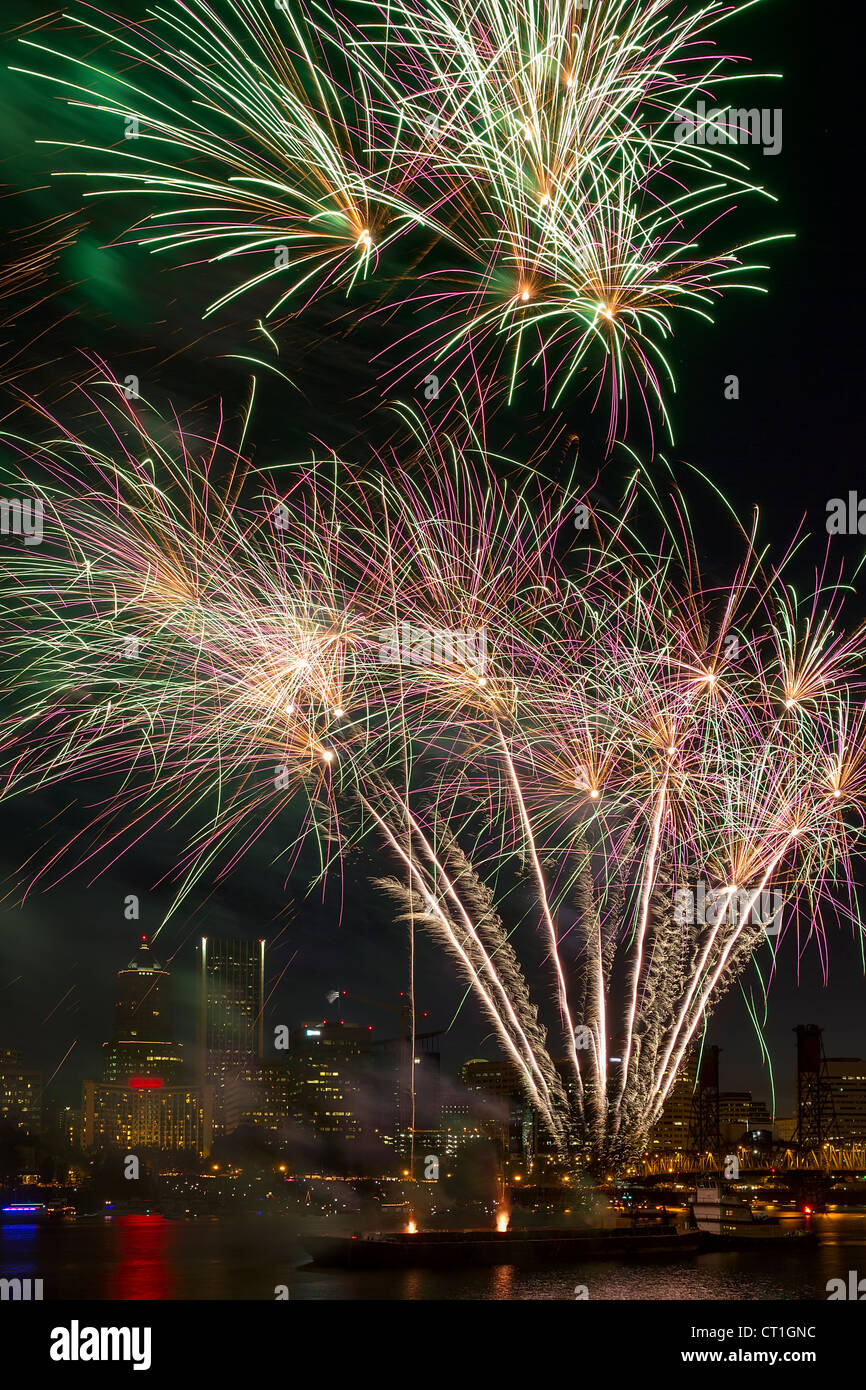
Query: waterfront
point(149, 1257)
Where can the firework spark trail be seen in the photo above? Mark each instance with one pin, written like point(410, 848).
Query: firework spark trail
point(552, 138)
point(646, 896)
point(60, 1064)
point(553, 938)
point(281, 166)
point(684, 1034)
point(523, 1055)
point(535, 147)
point(220, 646)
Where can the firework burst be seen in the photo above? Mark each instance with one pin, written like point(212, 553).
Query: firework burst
point(231, 650)
point(532, 152)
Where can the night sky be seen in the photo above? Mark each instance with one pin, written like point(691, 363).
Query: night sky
point(792, 441)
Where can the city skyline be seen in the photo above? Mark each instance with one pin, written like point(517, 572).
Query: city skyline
point(301, 989)
point(144, 1054)
point(433, 724)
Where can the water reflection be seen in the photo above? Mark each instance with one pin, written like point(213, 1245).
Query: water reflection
point(147, 1260)
point(149, 1257)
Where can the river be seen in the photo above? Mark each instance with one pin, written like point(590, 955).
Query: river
point(150, 1257)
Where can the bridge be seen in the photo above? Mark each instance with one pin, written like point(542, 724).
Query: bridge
point(828, 1158)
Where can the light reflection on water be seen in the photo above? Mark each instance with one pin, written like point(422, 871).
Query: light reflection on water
point(149, 1257)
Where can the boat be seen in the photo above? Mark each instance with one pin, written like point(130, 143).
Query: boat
point(32, 1213)
point(727, 1220)
point(441, 1249)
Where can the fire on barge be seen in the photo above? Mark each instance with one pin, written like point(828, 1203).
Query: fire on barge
point(441, 1249)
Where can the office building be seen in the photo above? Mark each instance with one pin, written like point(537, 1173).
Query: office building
point(143, 1043)
point(20, 1091)
point(145, 1116)
point(674, 1129)
point(333, 1078)
point(231, 990)
point(846, 1079)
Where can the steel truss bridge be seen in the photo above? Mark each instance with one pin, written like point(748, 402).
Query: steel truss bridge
point(781, 1158)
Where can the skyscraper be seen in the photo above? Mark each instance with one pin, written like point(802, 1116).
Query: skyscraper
point(20, 1090)
point(331, 1066)
point(230, 1006)
point(846, 1078)
point(497, 1104)
point(143, 1045)
point(141, 1105)
point(674, 1128)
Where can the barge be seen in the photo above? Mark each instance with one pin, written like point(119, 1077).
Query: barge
point(441, 1249)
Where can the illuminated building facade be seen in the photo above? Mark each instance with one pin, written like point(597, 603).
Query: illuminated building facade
point(846, 1078)
point(145, 1116)
point(143, 1044)
point(231, 991)
point(497, 1107)
point(673, 1131)
point(329, 1063)
point(20, 1091)
point(264, 1100)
